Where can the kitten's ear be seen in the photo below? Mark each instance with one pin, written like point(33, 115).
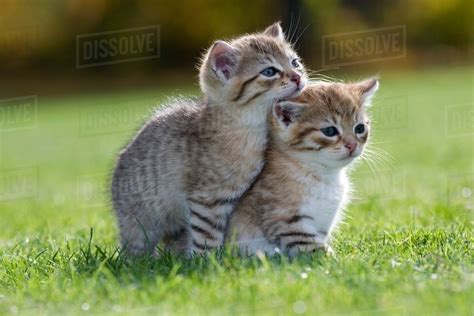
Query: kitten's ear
point(287, 112)
point(223, 60)
point(366, 89)
point(275, 30)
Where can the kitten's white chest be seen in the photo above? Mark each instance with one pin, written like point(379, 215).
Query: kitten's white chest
point(323, 201)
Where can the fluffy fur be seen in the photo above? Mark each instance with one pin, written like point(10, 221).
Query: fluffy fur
point(181, 175)
point(298, 199)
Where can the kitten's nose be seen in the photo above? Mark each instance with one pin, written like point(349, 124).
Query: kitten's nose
point(351, 146)
point(296, 78)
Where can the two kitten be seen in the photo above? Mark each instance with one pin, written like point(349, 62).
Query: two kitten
point(180, 177)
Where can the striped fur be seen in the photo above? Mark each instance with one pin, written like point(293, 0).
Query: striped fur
point(298, 199)
point(180, 177)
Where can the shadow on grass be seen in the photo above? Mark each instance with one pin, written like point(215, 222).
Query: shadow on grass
point(93, 258)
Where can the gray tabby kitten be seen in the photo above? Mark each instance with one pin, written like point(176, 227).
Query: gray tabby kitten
point(181, 175)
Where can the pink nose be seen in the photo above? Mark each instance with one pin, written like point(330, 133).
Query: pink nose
point(351, 147)
point(296, 78)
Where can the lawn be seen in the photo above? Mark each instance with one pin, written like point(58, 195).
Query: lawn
point(406, 246)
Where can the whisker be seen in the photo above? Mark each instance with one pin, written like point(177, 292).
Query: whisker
point(321, 78)
point(372, 168)
point(291, 24)
point(301, 34)
point(295, 30)
point(380, 158)
point(322, 69)
point(317, 75)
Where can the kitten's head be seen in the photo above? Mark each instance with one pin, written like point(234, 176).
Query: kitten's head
point(327, 124)
point(253, 69)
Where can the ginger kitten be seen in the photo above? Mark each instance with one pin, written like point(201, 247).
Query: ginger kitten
point(181, 175)
point(297, 200)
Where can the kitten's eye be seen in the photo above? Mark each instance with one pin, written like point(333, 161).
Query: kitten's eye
point(295, 63)
point(359, 129)
point(330, 131)
point(269, 72)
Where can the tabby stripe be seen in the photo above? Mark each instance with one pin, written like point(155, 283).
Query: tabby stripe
point(198, 245)
point(179, 233)
point(244, 86)
point(267, 58)
point(353, 110)
point(297, 218)
point(299, 234)
point(299, 243)
point(215, 203)
point(256, 95)
point(306, 148)
point(302, 134)
point(204, 232)
point(219, 226)
point(272, 230)
point(307, 131)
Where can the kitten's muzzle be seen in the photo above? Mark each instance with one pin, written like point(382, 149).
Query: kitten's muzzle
point(296, 78)
point(291, 94)
point(351, 146)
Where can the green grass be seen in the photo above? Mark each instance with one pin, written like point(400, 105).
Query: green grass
point(406, 246)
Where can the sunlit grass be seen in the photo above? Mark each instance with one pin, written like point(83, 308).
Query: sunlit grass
point(405, 247)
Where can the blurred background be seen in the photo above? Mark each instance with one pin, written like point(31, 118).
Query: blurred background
point(40, 39)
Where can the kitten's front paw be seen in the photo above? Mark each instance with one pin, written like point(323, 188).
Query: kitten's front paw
point(305, 248)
